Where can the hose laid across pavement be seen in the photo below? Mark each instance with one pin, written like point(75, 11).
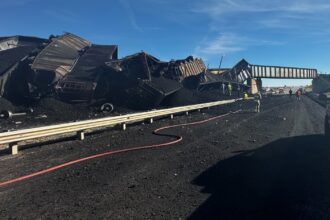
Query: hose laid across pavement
point(156, 132)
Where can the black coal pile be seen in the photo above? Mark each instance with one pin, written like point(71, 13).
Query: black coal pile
point(60, 111)
point(6, 105)
point(50, 111)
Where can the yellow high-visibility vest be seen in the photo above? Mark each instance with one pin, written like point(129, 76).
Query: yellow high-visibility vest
point(246, 96)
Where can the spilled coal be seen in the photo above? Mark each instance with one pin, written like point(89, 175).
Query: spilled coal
point(53, 111)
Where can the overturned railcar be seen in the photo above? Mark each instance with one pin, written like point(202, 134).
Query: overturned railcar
point(84, 83)
point(15, 71)
point(57, 59)
point(139, 77)
point(72, 67)
point(137, 81)
point(77, 71)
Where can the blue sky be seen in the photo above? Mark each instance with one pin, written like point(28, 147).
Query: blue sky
point(279, 32)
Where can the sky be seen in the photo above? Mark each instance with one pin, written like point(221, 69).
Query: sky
point(292, 33)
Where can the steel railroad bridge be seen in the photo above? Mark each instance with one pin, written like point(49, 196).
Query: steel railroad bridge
point(258, 71)
point(243, 71)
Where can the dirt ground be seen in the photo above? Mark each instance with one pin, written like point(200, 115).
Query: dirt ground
point(270, 165)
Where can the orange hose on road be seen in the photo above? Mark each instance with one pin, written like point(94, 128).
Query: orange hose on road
point(156, 132)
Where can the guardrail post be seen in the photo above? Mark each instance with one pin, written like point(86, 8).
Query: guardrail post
point(151, 120)
point(171, 116)
point(81, 135)
point(13, 148)
point(123, 126)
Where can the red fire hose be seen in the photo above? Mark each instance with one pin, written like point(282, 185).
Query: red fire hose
point(156, 132)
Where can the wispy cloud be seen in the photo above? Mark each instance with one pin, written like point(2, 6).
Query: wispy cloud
point(214, 7)
point(226, 43)
point(222, 44)
point(130, 13)
point(233, 24)
point(275, 14)
point(274, 23)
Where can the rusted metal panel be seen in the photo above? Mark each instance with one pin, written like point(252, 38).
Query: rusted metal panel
point(62, 51)
point(75, 91)
point(185, 68)
point(7, 43)
point(240, 72)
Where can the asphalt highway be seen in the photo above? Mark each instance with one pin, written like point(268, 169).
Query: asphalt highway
point(269, 165)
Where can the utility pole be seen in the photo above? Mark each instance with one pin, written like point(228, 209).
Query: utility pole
point(220, 64)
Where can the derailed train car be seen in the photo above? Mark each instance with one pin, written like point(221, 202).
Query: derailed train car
point(16, 54)
point(77, 71)
point(84, 79)
point(137, 81)
point(138, 77)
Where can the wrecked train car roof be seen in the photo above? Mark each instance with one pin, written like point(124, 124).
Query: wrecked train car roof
point(148, 73)
point(181, 69)
point(63, 51)
point(7, 43)
point(139, 65)
point(93, 58)
point(237, 74)
point(8, 63)
point(208, 78)
point(9, 57)
point(161, 85)
point(218, 71)
point(79, 85)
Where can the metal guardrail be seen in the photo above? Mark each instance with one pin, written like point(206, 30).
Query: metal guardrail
point(14, 137)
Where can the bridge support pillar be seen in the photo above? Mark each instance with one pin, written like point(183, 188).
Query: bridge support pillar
point(259, 84)
point(254, 86)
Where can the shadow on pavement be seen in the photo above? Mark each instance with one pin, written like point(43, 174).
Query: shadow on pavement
point(285, 179)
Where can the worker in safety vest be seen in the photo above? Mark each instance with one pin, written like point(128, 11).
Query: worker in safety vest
point(230, 88)
point(257, 99)
point(245, 96)
point(238, 90)
point(223, 86)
